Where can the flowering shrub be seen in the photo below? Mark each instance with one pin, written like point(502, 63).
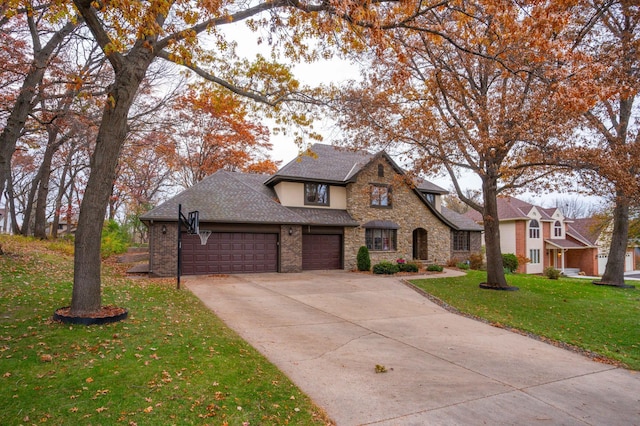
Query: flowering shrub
point(401, 261)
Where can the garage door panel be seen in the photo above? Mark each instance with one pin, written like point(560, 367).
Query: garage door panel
point(228, 253)
point(321, 251)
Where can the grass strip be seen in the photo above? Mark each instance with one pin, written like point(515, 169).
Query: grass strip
point(171, 362)
point(598, 319)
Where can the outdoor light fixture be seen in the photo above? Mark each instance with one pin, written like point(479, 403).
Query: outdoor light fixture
point(290, 231)
point(164, 229)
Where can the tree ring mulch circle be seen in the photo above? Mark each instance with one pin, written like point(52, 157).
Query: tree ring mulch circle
point(613, 285)
point(106, 315)
point(486, 286)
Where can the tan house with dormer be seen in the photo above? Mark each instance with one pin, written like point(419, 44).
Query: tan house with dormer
point(314, 213)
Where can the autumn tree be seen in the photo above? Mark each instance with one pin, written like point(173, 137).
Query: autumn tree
point(212, 132)
point(612, 148)
point(133, 35)
point(46, 37)
point(476, 89)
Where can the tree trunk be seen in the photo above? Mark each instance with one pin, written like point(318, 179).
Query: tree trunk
point(86, 297)
point(25, 101)
point(614, 271)
point(495, 270)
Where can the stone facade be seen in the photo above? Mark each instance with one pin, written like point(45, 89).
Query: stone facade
point(163, 249)
point(407, 210)
point(475, 247)
point(290, 248)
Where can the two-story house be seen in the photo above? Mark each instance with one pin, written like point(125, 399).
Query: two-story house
point(314, 213)
point(547, 238)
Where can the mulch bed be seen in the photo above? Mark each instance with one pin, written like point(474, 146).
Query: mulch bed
point(106, 314)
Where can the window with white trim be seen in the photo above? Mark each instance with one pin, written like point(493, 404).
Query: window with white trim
point(534, 256)
point(534, 229)
point(557, 229)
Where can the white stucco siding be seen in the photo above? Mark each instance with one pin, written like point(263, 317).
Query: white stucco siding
point(508, 237)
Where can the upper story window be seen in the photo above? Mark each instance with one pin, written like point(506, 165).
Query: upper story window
point(557, 229)
point(431, 198)
point(316, 194)
point(380, 170)
point(534, 229)
point(380, 196)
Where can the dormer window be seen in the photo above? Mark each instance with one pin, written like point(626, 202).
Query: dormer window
point(557, 229)
point(534, 229)
point(316, 194)
point(431, 198)
point(380, 170)
point(380, 196)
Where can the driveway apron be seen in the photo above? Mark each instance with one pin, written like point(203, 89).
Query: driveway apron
point(332, 332)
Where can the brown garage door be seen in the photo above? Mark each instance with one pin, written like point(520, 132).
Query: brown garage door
point(230, 253)
point(321, 252)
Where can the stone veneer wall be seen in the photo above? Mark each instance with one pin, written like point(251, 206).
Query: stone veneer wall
point(163, 250)
point(408, 211)
point(290, 249)
point(475, 246)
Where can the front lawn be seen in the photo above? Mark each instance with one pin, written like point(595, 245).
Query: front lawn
point(604, 320)
point(171, 362)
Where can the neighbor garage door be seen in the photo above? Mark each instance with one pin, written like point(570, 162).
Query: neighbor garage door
point(230, 253)
point(321, 251)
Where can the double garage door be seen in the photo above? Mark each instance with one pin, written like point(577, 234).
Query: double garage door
point(243, 252)
point(230, 253)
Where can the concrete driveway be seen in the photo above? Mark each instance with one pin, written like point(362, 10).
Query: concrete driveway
point(328, 330)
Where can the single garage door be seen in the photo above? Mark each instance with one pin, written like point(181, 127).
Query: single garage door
point(321, 252)
point(230, 253)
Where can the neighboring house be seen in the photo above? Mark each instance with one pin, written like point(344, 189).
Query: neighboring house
point(547, 238)
point(314, 213)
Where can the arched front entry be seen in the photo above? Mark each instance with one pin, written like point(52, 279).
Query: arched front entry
point(420, 244)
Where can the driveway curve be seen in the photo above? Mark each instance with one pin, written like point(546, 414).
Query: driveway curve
point(332, 332)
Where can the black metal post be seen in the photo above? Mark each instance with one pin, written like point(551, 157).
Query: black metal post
point(179, 244)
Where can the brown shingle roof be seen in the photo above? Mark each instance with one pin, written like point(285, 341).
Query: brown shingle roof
point(325, 163)
point(462, 222)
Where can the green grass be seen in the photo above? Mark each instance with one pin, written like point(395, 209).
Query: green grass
point(599, 319)
point(171, 362)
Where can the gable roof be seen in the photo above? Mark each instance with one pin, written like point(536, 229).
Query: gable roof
point(510, 208)
point(323, 163)
point(228, 197)
point(233, 197)
point(586, 229)
point(462, 222)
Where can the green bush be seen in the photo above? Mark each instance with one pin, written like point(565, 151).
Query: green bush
point(476, 261)
point(551, 273)
point(510, 262)
point(434, 268)
point(408, 267)
point(363, 259)
point(115, 239)
point(462, 265)
point(385, 267)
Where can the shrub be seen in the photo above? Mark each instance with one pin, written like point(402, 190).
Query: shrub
point(408, 267)
point(385, 267)
point(510, 262)
point(434, 268)
point(551, 273)
point(363, 259)
point(476, 261)
point(115, 239)
point(462, 265)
